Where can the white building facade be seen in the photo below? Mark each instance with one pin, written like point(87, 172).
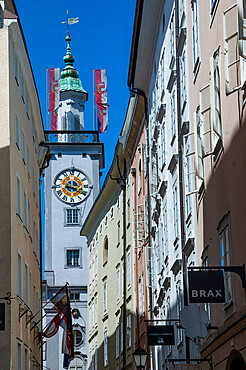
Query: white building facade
point(71, 186)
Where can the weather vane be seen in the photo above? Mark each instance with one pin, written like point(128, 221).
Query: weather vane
point(70, 21)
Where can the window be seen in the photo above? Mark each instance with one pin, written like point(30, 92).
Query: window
point(195, 34)
point(215, 101)
point(189, 172)
point(179, 308)
point(171, 33)
point(162, 72)
point(129, 331)
point(18, 196)
point(27, 104)
point(17, 131)
point(25, 209)
point(143, 296)
point(200, 148)
point(78, 337)
point(165, 229)
point(183, 79)
point(121, 336)
point(26, 358)
point(33, 181)
point(163, 145)
point(29, 218)
point(33, 129)
point(173, 125)
point(175, 210)
point(123, 277)
point(118, 228)
point(30, 289)
point(73, 257)
point(22, 87)
point(96, 264)
point(26, 284)
point(139, 175)
point(16, 67)
point(225, 258)
point(95, 311)
point(19, 275)
point(105, 346)
point(19, 359)
point(34, 299)
point(234, 46)
point(72, 216)
point(105, 296)
point(117, 338)
point(34, 236)
point(128, 212)
point(128, 264)
point(140, 298)
point(74, 296)
point(28, 161)
point(105, 250)
point(118, 285)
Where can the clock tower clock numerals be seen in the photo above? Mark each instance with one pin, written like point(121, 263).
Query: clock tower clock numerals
point(71, 186)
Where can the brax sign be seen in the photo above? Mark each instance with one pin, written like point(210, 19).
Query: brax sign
point(206, 287)
point(160, 335)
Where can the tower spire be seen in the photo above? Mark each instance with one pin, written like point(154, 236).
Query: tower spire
point(69, 75)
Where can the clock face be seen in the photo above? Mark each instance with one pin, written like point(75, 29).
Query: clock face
point(71, 186)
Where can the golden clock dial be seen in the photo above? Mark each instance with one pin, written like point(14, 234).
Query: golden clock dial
point(71, 186)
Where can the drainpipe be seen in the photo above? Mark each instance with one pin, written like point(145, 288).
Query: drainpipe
point(142, 93)
point(181, 181)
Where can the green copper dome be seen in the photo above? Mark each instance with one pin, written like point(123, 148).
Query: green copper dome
point(69, 76)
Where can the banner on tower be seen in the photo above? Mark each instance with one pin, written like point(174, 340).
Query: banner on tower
point(54, 75)
point(101, 99)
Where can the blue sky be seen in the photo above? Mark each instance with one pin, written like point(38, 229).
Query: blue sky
point(101, 39)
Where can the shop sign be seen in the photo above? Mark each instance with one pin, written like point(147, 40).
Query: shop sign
point(160, 335)
point(206, 286)
point(2, 316)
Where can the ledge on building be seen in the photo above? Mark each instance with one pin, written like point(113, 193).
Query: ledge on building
point(176, 267)
point(173, 162)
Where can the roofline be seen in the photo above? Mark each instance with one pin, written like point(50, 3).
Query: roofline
point(135, 42)
point(25, 45)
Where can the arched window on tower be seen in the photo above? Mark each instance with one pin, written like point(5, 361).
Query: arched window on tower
point(105, 250)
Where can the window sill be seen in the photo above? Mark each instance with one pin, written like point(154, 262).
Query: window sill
point(105, 316)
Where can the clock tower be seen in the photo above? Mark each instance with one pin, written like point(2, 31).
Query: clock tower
point(72, 184)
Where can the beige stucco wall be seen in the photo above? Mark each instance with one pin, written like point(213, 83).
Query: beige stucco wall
point(14, 236)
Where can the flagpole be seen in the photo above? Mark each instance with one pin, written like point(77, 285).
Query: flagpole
point(47, 303)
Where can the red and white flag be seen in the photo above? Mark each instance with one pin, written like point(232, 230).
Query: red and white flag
point(101, 99)
point(54, 75)
point(52, 328)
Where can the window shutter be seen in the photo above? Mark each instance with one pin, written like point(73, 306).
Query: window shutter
point(199, 151)
point(189, 163)
point(242, 38)
point(235, 44)
point(206, 118)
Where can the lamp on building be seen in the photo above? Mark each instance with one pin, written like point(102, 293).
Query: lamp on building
point(140, 358)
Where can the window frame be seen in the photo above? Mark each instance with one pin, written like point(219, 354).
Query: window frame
point(79, 258)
